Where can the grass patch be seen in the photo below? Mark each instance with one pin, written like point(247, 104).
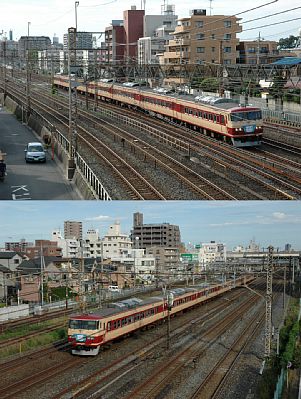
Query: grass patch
point(27, 329)
point(34, 342)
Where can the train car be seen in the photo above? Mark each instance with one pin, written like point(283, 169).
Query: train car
point(89, 331)
point(219, 117)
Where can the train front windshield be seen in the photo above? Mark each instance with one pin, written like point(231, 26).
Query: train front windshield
point(246, 115)
point(83, 324)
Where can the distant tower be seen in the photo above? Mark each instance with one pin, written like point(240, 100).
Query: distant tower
point(11, 35)
point(210, 7)
point(55, 40)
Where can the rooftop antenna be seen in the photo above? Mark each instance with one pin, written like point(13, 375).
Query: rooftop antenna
point(210, 7)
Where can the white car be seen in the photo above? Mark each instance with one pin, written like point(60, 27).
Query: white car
point(114, 288)
point(34, 152)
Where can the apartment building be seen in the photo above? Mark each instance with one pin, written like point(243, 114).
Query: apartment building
point(114, 242)
point(150, 235)
point(203, 38)
point(32, 43)
point(73, 230)
point(257, 52)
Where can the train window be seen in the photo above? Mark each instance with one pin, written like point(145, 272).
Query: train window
point(83, 324)
point(210, 117)
point(109, 326)
point(115, 324)
point(186, 110)
point(118, 323)
point(214, 118)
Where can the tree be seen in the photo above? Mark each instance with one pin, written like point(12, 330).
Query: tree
point(288, 42)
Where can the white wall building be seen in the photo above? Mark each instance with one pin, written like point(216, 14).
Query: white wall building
point(212, 252)
point(70, 247)
point(115, 243)
point(92, 244)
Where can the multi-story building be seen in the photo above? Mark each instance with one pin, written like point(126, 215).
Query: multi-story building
point(157, 33)
point(114, 242)
point(203, 38)
point(212, 252)
point(33, 43)
point(92, 244)
point(133, 22)
point(73, 230)
point(18, 246)
point(70, 247)
point(257, 52)
point(167, 260)
point(84, 41)
point(150, 235)
point(45, 247)
point(114, 42)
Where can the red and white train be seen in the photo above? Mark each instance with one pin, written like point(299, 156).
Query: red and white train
point(89, 331)
point(238, 125)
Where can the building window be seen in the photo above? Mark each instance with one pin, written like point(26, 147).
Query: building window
point(213, 36)
point(213, 49)
point(251, 50)
point(227, 62)
point(199, 24)
point(227, 24)
point(200, 36)
point(227, 36)
point(227, 49)
point(200, 49)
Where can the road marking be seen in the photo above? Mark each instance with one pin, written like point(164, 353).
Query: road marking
point(20, 188)
point(23, 195)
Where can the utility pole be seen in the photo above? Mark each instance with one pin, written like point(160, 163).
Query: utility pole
point(284, 286)
point(4, 70)
point(169, 300)
point(258, 50)
point(72, 103)
point(42, 276)
point(269, 295)
point(28, 76)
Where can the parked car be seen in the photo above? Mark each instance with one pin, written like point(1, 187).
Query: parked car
point(34, 152)
point(114, 288)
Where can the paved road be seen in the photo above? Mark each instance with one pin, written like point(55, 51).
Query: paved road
point(29, 181)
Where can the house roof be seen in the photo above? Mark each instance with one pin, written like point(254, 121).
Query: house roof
point(30, 266)
point(4, 269)
point(288, 61)
point(8, 254)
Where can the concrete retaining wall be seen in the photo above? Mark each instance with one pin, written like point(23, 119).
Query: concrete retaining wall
point(37, 126)
point(14, 312)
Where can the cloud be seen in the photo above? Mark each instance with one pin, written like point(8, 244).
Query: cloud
point(279, 215)
point(98, 218)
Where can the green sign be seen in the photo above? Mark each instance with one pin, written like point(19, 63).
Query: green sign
point(190, 257)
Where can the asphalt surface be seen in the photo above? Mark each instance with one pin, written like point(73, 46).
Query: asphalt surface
point(29, 181)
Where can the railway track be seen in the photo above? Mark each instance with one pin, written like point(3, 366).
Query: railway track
point(204, 188)
point(257, 176)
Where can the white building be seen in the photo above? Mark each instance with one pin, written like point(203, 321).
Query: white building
point(70, 247)
point(92, 244)
point(158, 31)
point(212, 252)
point(115, 243)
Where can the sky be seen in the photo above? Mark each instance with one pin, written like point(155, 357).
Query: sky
point(231, 222)
point(56, 16)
